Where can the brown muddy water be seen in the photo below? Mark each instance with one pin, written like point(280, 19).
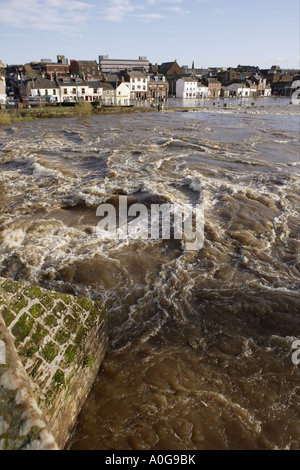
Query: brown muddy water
point(200, 348)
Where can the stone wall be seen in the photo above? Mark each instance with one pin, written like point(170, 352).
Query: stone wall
point(60, 341)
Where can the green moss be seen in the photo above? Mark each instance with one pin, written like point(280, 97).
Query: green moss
point(59, 378)
point(82, 333)
point(10, 286)
point(62, 336)
point(59, 308)
point(86, 304)
point(92, 318)
point(29, 350)
point(70, 323)
point(47, 301)
point(39, 334)
point(50, 320)
point(20, 304)
point(66, 298)
point(7, 315)
point(70, 353)
point(23, 327)
point(32, 292)
point(50, 351)
point(36, 310)
point(36, 366)
point(77, 312)
point(88, 360)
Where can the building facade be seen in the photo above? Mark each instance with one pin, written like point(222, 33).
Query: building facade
point(87, 69)
point(186, 87)
point(95, 91)
point(158, 88)
point(2, 90)
point(72, 89)
point(107, 65)
point(43, 89)
point(214, 88)
point(138, 85)
point(122, 94)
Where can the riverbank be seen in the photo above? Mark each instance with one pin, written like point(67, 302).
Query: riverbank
point(18, 115)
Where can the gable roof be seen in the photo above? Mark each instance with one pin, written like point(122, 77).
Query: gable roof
point(42, 83)
point(106, 86)
point(136, 74)
point(189, 79)
point(94, 84)
point(71, 81)
point(165, 67)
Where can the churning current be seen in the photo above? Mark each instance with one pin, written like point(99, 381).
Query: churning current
point(200, 342)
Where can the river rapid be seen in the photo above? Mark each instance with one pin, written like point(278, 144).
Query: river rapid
point(200, 342)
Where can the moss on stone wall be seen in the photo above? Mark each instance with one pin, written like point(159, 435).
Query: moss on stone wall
point(61, 341)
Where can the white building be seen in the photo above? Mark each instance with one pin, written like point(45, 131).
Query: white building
point(138, 84)
point(202, 90)
point(2, 90)
point(43, 88)
point(108, 65)
point(73, 89)
point(186, 87)
point(95, 90)
point(122, 94)
point(238, 90)
point(253, 87)
point(268, 91)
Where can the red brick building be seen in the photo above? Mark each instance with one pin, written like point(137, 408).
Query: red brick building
point(87, 69)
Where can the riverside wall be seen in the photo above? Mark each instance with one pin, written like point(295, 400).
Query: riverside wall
point(51, 348)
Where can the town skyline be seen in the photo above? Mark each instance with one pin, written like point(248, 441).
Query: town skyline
point(205, 32)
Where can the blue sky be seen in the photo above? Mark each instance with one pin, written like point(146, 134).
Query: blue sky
point(208, 32)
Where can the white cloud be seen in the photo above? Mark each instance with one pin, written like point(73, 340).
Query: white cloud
point(156, 2)
point(178, 10)
point(150, 16)
point(49, 15)
point(220, 11)
point(117, 10)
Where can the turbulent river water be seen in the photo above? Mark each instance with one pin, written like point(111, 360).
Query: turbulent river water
point(200, 342)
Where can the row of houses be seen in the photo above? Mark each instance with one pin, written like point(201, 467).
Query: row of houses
point(126, 82)
point(191, 87)
point(134, 86)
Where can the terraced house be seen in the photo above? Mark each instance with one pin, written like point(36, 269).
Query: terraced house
point(72, 89)
point(138, 84)
point(43, 88)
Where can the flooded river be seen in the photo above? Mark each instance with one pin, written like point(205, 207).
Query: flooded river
point(200, 342)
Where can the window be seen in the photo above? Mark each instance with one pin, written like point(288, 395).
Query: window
point(95, 91)
point(54, 91)
point(74, 91)
point(65, 91)
point(83, 91)
point(46, 92)
point(139, 87)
